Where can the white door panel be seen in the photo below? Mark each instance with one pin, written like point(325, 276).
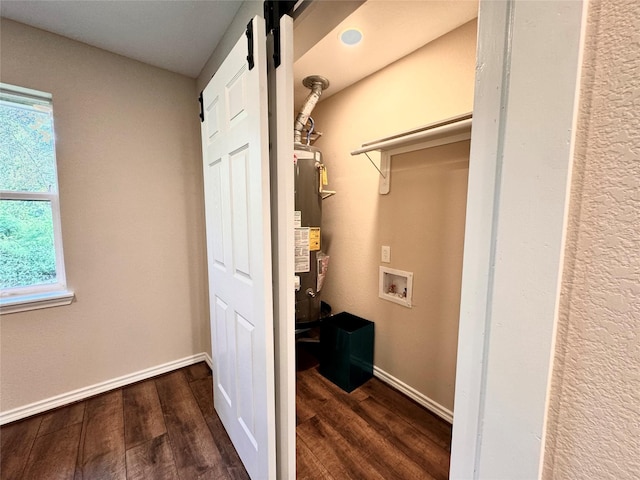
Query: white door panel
point(237, 205)
point(282, 118)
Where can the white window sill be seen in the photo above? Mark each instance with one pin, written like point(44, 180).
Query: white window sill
point(35, 301)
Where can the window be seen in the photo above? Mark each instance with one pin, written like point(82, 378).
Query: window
point(31, 261)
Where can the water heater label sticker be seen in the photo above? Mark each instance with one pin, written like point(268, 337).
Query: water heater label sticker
point(323, 265)
point(302, 261)
point(314, 239)
point(297, 219)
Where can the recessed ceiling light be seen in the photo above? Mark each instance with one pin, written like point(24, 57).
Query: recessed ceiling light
point(351, 36)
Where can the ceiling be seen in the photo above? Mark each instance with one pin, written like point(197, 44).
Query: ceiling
point(391, 30)
point(175, 35)
point(180, 35)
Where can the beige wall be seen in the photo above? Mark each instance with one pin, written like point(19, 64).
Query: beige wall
point(422, 219)
point(594, 429)
point(128, 153)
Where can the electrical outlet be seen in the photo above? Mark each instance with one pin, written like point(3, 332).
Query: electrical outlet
point(386, 254)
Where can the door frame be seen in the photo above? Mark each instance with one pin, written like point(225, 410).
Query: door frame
point(513, 241)
point(280, 86)
point(476, 375)
point(522, 143)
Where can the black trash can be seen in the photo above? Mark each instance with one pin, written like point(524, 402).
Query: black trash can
point(346, 350)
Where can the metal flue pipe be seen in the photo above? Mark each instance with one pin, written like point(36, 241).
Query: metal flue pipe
point(317, 84)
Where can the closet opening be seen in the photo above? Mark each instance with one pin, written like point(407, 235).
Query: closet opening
point(388, 242)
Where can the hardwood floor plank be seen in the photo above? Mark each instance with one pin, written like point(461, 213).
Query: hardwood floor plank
point(238, 473)
point(340, 458)
point(16, 440)
point(308, 467)
point(320, 388)
point(229, 455)
point(103, 436)
point(425, 452)
point(53, 456)
point(388, 432)
point(359, 394)
point(374, 432)
point(307, 401)
point(202, 390)
point(372, 446)
point(427, 423)
point(61, 418)
point(102, 452)
point(143, 419)
point(194, 450)
point(152, 459)
point(197, 371)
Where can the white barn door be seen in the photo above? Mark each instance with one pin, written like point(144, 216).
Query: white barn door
point(237, 205)
point(281, 119)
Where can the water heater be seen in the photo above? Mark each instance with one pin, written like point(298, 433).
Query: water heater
point(310, 177)
point(308, 219)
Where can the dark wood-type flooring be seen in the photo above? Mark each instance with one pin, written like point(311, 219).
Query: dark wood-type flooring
point(162, 428)
point(166, 428)
point(374, 432)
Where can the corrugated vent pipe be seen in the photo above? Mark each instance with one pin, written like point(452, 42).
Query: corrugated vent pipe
point(317, 84)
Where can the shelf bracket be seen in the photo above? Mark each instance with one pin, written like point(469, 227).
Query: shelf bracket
point(374, 164)
point(444, 132)
point(384, 169)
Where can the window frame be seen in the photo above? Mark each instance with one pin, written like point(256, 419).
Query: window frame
point(18, 299)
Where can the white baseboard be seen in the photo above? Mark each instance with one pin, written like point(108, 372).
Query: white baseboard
point(102, 387)
point(415, 395)
point(207, 358)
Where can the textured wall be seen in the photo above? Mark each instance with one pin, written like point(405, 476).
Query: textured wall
point(594, 416)
point(422, 218)
point(129, 166)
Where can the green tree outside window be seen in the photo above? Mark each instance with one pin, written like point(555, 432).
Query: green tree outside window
point(27, 165)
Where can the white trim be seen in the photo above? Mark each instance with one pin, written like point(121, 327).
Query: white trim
point(386, 155)
point(384, 182)
point(13, 95)
point(572, 150)
point(526, 79)
point(207, 358)
point(98, 388)
point(382, 287)
point(8, 89)
point(25, 195)
point(24, 303)
point(20, 292)
point(441, 130)
point(282, 201)
point(414, 394)
point(436, 142)
point(452, 130)
point(477, 273)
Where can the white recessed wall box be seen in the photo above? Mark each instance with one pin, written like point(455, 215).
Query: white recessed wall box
point(396, 286)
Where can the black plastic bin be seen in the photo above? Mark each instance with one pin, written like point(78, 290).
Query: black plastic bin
point(346, 350)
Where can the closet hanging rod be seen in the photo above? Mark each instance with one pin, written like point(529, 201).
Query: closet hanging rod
point(448, 127)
